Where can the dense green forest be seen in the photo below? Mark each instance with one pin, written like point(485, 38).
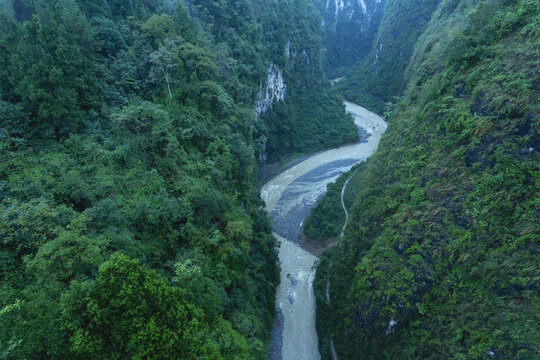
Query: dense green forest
point(131, 225)
point(130, 217)
point(312, 115)
point(440, 256)
point(287, 35)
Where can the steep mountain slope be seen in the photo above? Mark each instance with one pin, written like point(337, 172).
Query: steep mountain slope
point(311, 117)
point(380, 76)
point(440, 256)
point(129, 213)
point(349, 28)
point(277, 44)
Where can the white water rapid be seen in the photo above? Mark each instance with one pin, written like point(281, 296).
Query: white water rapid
point(289, 198)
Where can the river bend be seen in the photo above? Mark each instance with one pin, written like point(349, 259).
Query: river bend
point(289, 198)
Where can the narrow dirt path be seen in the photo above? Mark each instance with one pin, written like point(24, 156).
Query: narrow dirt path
point(334, 354)
point(344, 207)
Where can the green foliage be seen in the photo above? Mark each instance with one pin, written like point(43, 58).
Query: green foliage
point(327, 218)
point(104, 168)
point(25, 226)
point(311, 116)
point(288, 131)
point(380, 76)
point(158, 27)
point(130, 221)
point(50, 69)
point(8, 40)
point(439, 260)
point(140, 9)
point(128, 309)
point(71, 254)
point(348, 32)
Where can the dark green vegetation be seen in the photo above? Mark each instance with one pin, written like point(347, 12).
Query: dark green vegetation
point(284, 33)
point(327, 219)
point(130, 221)
point(312, 116)
point(348, 30)
point(379, 78)
point(440, 256)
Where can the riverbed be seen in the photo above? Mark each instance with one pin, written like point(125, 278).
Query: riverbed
point(289, 197)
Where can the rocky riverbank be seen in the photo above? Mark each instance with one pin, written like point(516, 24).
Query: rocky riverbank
point(289, 197)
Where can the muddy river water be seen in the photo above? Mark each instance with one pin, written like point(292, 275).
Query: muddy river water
point(289, 197)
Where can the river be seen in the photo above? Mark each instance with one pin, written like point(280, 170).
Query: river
point(289, 197)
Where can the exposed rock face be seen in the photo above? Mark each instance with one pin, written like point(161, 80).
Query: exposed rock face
point(274, 90)
point(377, 53)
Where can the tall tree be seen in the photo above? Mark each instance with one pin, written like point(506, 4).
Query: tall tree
point(50, 68)
point(164, 64)
point(9, 34)
point(131, 311)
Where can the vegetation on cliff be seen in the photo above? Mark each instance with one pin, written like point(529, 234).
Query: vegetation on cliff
point(130, 219)
point(379, 78)
point(440, 256)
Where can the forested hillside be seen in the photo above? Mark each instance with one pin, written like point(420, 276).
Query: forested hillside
point(379, 78)
point(131, 224)
point(130, 131)
point(440, 256)
point(276, 47)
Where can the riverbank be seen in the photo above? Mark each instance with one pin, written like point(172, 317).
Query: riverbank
point(268, 171)
point(289, 196)
point(314, 246)
point(326, 223)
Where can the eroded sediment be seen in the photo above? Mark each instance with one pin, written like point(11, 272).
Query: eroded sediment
point(289, 198)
